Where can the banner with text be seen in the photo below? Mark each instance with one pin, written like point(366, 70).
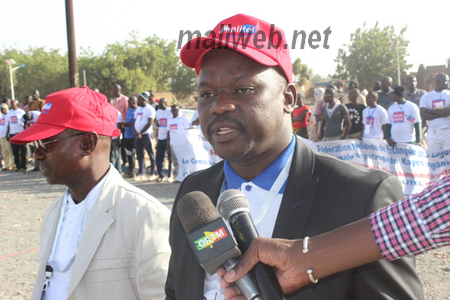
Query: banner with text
point(414, 166)
point(192, 152)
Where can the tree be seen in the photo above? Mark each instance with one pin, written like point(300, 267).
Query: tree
point(319, 79)
point(371, 55)
point(301, 72)
point(184, 82)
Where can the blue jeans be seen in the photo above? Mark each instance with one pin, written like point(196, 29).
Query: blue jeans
point(145, 143)
point(161, 148)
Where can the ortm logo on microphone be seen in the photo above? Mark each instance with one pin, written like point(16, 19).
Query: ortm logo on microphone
point(210, 238)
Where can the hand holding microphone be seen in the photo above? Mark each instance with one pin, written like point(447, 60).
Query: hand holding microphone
point(234, 207)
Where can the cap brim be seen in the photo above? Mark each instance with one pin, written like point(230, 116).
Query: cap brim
point(38, 131)
point(195, 49)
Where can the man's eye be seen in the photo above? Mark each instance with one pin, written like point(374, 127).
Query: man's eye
point(244, 90)
point(206, 95)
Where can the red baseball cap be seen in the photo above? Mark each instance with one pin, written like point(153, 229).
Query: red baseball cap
point(76, 108)
point(259, 40)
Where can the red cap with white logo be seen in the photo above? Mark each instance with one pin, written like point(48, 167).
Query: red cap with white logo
point(76, 108)
point(259, 40)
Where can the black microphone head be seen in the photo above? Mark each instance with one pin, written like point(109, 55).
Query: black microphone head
point(195, 209)
point(231, 202)
point(207, 232)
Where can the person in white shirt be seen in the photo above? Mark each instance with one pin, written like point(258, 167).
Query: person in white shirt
point(103, 238)
point(15, 126)
point(29, 119)
point(403, 121)
point(143, 128)
point(163, 115)
point(7, 153)
point(177, 122)
point(374, 118)
point(435, 108)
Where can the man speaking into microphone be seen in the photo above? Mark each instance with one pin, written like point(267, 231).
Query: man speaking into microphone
point(246, 97)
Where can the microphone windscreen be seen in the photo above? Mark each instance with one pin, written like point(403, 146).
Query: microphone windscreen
point(195, 210)
point(231, 202)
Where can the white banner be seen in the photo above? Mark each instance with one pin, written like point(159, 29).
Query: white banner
point(414, 166)
point(191, 152)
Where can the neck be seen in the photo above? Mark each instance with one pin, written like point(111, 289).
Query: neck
point(438, 90)
point(81, 188)
point(401, 101)
point(372, 105)
point(412, 90)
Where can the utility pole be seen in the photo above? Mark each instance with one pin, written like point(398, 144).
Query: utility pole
point(73, 66)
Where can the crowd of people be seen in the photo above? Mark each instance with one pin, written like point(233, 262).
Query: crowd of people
point(397, 114)
point(106, 239)
point(144, 122)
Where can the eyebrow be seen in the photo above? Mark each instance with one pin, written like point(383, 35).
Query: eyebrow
point(236, 78)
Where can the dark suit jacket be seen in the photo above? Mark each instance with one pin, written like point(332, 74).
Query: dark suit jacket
point(322, 193)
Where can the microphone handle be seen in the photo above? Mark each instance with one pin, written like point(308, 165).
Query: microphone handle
point(265, 278)
point(245, 284)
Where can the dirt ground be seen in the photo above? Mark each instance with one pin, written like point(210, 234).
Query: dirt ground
point(25, 197)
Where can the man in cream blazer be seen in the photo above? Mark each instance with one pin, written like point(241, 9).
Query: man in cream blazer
point(104, 238)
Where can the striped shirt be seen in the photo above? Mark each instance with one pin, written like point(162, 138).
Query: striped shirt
point(416, 224)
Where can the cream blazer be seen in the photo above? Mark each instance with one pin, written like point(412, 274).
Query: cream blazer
point(124, 250)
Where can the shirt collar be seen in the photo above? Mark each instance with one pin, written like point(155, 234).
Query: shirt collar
point(267, 177)
point(91, 198)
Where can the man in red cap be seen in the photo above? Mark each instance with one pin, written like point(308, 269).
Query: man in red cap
point(246, 97)
point(104, 238)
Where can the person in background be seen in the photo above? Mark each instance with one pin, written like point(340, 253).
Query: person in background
point(15, 126)
point(8, 156)
point(195, 121)
point(177, 122)
point(25, 102)
point(435, 109)
point(120, 102)
point(376, 86)
point(413, 94)
point(355, 110)
point(128, 137)
point(374, 118)
point(7, 102)
point(163, 115)
point(300, 117)
point(353, 84)
point(384, 94)
point(336, 122)
point(36, 103)
point(29, 119)
point(403, 121)
point(143, 131)
point(115, 151)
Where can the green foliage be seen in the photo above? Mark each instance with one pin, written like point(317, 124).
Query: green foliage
point(44, 70)
point(319, 79)
point(371, 55)
point(185, 82)
point(137, 65)
point(301, 71)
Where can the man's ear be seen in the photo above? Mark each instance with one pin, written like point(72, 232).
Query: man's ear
point(89, 143)
point(290, 98)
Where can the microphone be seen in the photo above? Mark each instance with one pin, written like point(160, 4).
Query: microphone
point(210, 239)
point(234, 207)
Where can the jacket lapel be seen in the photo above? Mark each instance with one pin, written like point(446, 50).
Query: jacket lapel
point(96, 226)
point(298, 196)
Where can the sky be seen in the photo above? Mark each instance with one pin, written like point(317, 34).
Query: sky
point(32, 23)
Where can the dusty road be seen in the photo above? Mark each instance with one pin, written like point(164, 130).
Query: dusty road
point(25, 197)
